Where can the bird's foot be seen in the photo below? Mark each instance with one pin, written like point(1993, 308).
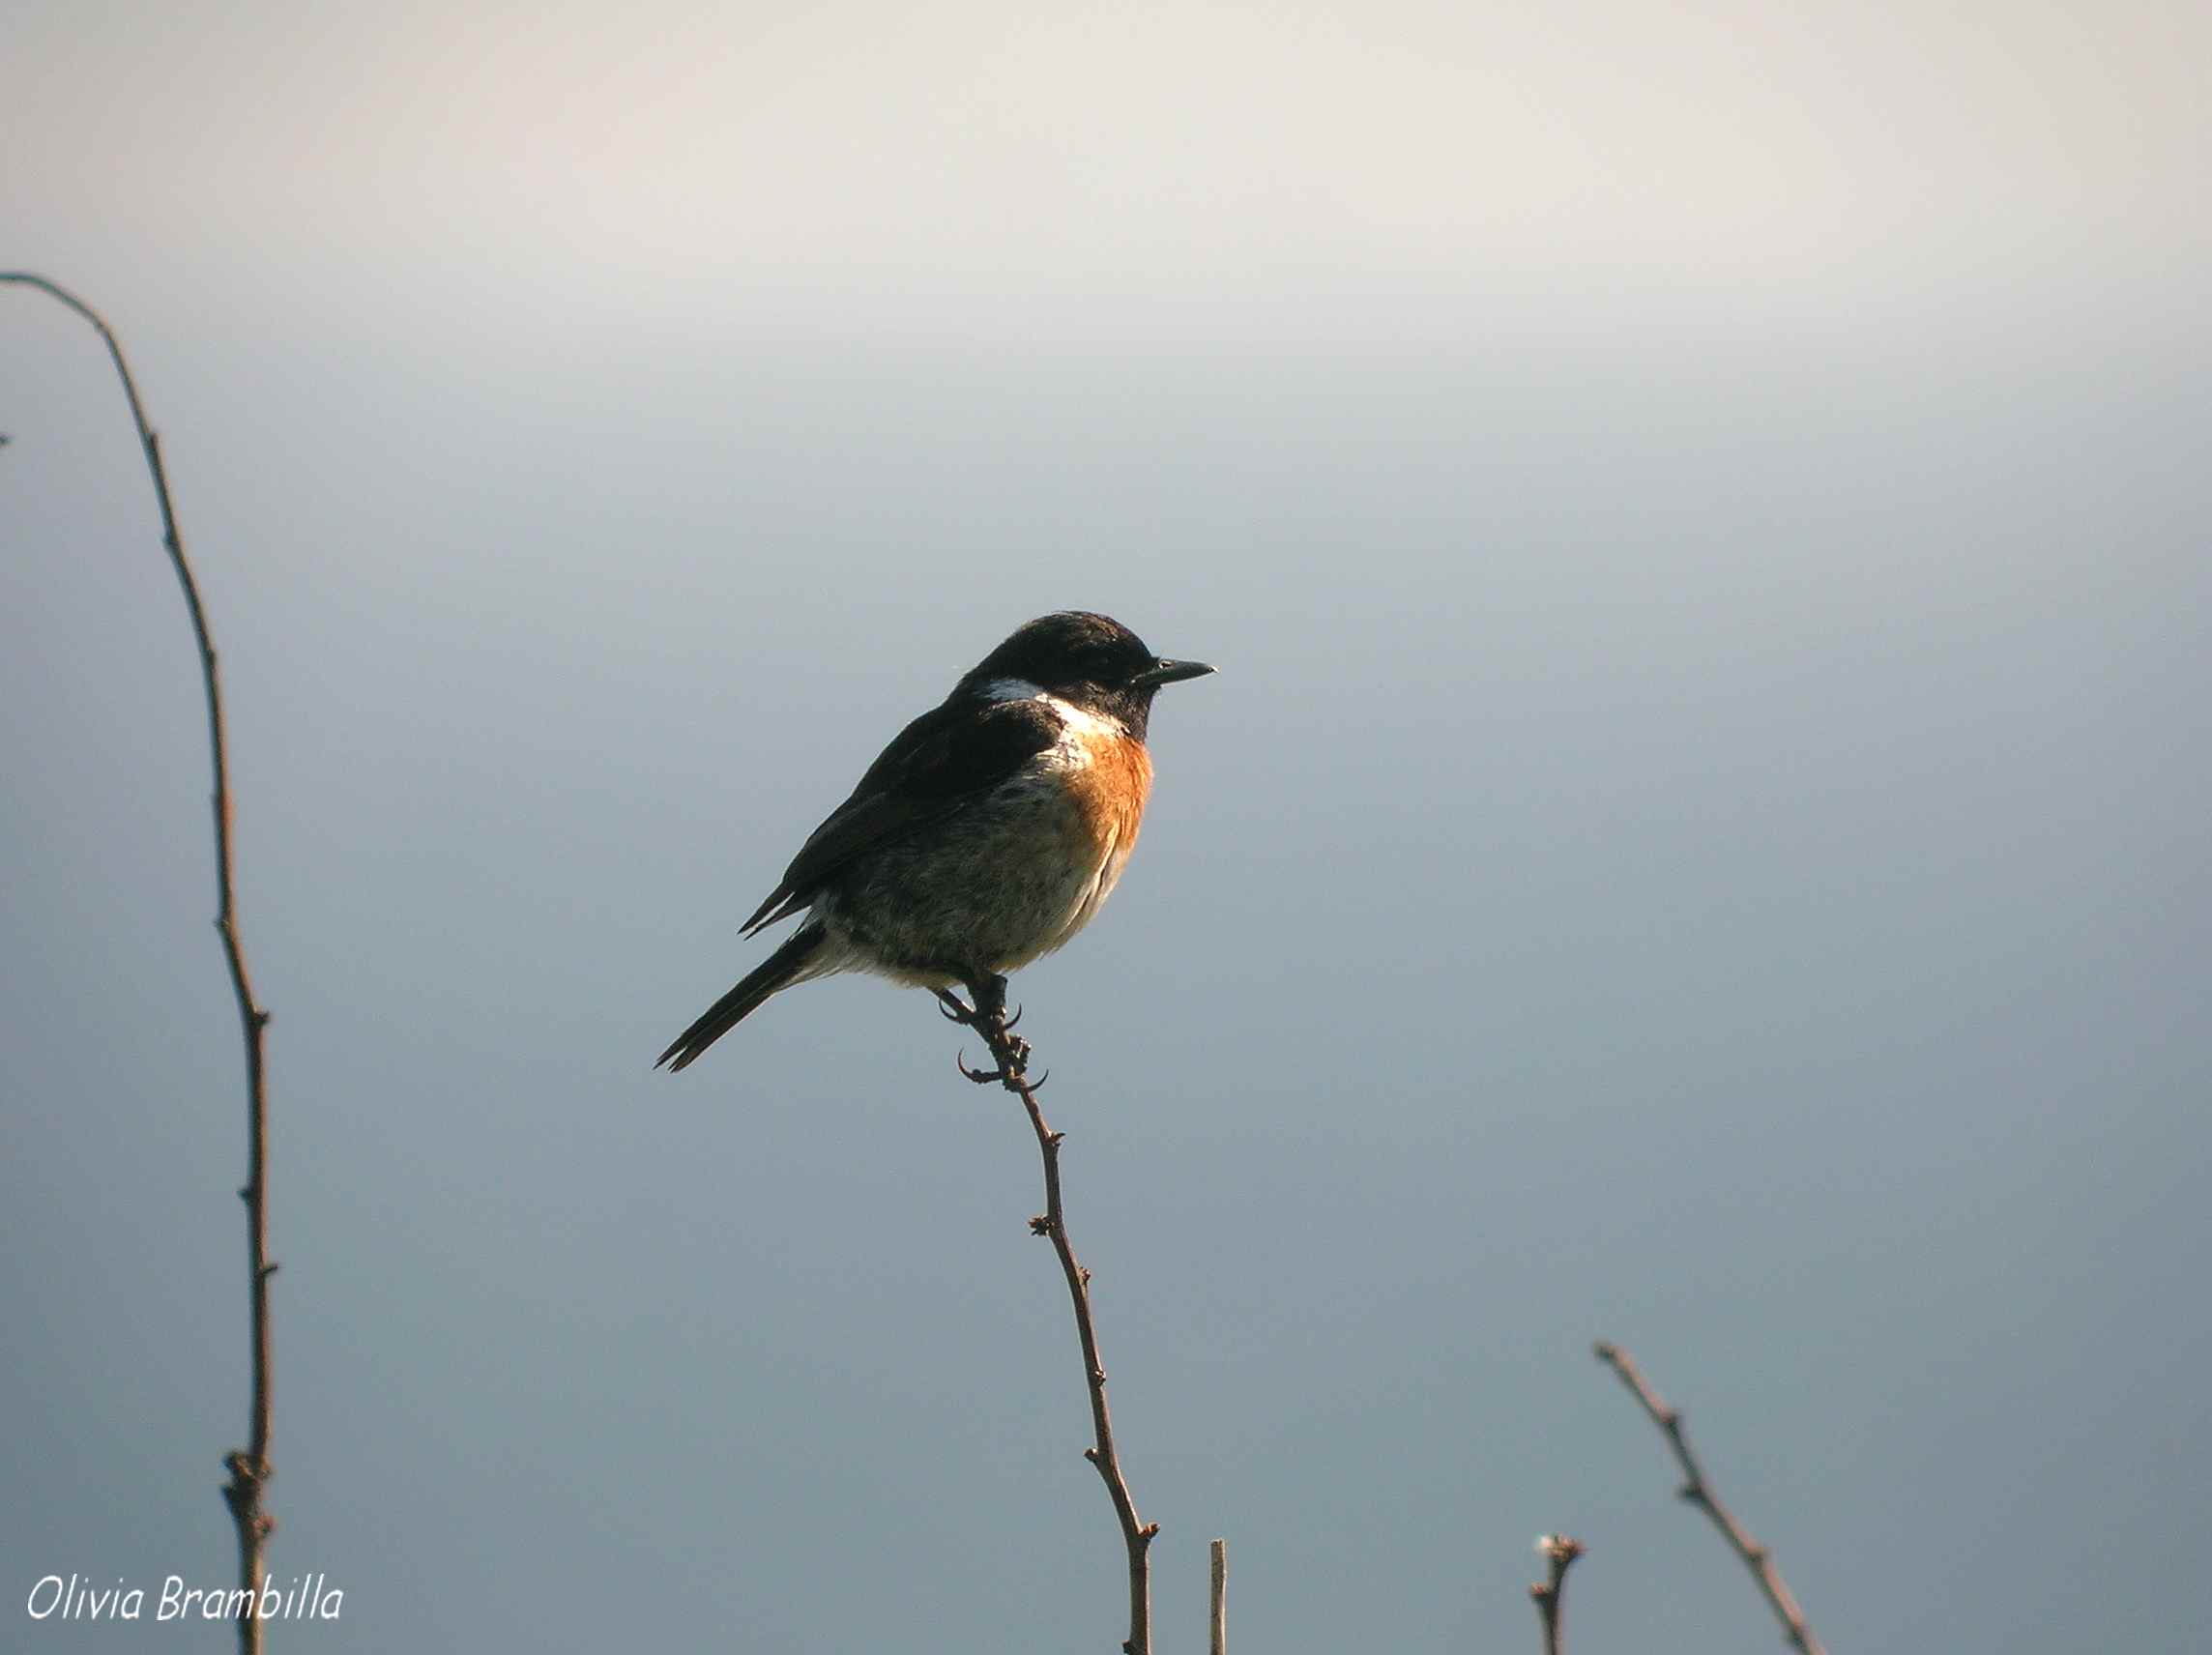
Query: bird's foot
point(985, 1012)
point(996, 1025)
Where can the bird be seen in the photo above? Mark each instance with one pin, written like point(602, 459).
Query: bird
point(985, 836)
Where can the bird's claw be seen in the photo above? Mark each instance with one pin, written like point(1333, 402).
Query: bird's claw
point(987, 1016)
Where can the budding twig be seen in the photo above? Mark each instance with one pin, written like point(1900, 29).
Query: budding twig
point(1699, 1493)
point(1549, 1596)
point(250, 1467)
point(987, 1016)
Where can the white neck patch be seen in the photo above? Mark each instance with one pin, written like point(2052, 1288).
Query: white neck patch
point(1071, 717)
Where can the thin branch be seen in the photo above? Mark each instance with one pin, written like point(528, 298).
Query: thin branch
point(250, 1467)
point(1217, 1622)
point(1699, 1493)
point(987, 1016)
point(1549, 1596)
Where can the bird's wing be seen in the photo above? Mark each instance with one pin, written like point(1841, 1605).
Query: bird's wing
point(936, 764)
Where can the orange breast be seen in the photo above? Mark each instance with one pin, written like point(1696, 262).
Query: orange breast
point(1111, 791)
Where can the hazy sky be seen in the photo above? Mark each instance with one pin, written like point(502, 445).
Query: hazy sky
point(1697, 839)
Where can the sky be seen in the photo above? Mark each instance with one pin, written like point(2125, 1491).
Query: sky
point(1696, 840)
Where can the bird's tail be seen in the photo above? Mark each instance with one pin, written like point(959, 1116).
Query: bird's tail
point(788, 965)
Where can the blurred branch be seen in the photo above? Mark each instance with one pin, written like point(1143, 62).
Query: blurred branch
point(1699, 1493)
point(1549, 1596)
point(250, 1467)
point(987, 1016)
point(1218, 1621)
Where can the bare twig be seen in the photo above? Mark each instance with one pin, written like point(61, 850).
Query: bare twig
point(1694, 1488)
point(987, 1016)
point(250, 1467)
point(1549, 1596)
point(1217, 1623)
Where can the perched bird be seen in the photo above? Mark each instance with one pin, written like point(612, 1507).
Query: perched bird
point(986, 834)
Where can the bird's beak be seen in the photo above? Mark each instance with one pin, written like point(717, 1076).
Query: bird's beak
point(1169, 672)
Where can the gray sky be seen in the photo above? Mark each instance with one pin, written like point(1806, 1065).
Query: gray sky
point(1696, 840)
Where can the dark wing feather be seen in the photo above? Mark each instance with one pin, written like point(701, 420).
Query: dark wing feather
point(934, 766)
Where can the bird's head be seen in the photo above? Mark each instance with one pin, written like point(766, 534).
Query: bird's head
point(1090, 661)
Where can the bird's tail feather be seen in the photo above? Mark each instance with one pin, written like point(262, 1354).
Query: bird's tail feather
point(780, 970)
